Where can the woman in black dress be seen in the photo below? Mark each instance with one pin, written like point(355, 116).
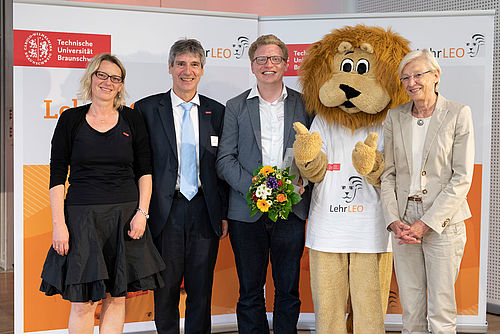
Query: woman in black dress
point(101, 247)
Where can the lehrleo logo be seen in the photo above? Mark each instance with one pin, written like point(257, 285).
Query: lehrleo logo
point(240, 46)
point(37, 48)
point(57, 49)
point(474, 47)
point(348, 194)
point(237, 50)
point(350, 190)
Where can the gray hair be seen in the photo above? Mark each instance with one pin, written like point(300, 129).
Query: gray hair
point(187, 46)
point(424, 54)
point(85, 93)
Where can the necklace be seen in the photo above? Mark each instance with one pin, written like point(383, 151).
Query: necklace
point(420, 121)
point(101, 118)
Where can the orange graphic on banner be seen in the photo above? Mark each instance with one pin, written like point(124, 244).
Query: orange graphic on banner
point(50, 313)
point(43, 313)
point(467, 285)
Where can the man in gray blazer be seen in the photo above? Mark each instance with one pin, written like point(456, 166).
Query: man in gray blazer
point(258, 131)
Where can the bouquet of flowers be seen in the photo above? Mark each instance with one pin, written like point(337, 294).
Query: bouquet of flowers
point(272, 192)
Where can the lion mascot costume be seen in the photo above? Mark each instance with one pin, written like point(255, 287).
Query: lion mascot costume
point(349, 81)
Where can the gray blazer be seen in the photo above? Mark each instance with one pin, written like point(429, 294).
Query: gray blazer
point(240, 150)
point(447, 164)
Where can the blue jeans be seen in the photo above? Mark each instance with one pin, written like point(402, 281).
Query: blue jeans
point(252, 244)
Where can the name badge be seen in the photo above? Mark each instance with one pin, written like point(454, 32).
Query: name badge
point(214, 140)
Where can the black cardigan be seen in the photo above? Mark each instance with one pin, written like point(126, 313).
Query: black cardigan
point(67, 126)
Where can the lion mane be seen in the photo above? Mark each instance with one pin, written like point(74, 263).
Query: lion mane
point(318, 67)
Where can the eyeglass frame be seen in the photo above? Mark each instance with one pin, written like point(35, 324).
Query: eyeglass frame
point(269, 58)
point(416, 77)
point(112, 78)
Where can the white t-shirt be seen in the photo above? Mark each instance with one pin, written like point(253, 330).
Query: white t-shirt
point(346, 212)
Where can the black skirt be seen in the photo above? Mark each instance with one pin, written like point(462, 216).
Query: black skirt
point(102, 258)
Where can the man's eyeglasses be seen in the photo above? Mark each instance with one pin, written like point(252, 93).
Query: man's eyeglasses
point(416, 77)
point(261, 60)
point(104, 76)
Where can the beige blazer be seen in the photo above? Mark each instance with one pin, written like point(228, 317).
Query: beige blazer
point(447, 164)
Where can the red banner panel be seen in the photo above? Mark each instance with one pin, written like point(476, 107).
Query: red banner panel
point(295, 54)
point(57, 49)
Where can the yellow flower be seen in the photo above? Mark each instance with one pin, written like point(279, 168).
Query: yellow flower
point(263, 205)
point(266, 170)
point(281, 198)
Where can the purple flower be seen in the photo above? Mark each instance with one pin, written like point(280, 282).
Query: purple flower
point(272, 183)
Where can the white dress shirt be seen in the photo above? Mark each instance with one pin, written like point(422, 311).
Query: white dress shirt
point(272, 120)
point(178, 113)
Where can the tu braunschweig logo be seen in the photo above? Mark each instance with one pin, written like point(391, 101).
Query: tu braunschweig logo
point(37, 48)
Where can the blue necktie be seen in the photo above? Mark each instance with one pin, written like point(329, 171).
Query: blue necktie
point(189, 174)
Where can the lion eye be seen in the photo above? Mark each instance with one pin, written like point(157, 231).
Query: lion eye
point(362, 66)
point(347, 65)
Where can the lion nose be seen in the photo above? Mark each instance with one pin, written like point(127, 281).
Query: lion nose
point(349, 91)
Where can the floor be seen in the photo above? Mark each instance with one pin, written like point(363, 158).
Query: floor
point(7, 308)
point(6, 302)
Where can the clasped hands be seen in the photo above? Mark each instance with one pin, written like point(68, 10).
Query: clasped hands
point(409, 234)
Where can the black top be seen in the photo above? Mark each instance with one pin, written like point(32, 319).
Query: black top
point(104, 167)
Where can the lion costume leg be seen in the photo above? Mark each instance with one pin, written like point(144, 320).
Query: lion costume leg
point(385, 276)
point(365, 293)
point(329, 287)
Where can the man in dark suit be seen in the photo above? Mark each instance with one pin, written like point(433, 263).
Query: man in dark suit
point(188, 203)
point(258, 131)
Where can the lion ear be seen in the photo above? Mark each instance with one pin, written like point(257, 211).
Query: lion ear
point(344, 46)
point(367, 47)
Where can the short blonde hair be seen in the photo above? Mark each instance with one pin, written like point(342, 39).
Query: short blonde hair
point(424, 54)
point(266, 40)
point(85, 93)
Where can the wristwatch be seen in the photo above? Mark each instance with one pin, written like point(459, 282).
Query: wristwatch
point(143, 212)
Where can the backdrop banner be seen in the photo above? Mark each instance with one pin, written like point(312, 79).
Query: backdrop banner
point(462, 42)
point(52, 45)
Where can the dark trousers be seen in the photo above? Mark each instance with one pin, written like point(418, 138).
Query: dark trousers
point(189, 248)
point(253, 244)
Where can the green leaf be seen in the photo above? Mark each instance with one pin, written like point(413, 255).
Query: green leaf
point(254, 211)
point(273, 216)
point(249, 197)
point(295, 198)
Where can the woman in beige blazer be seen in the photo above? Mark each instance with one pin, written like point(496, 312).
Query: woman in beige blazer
point(429, 154)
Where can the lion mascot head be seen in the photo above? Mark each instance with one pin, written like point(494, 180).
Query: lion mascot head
point(350, 77)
